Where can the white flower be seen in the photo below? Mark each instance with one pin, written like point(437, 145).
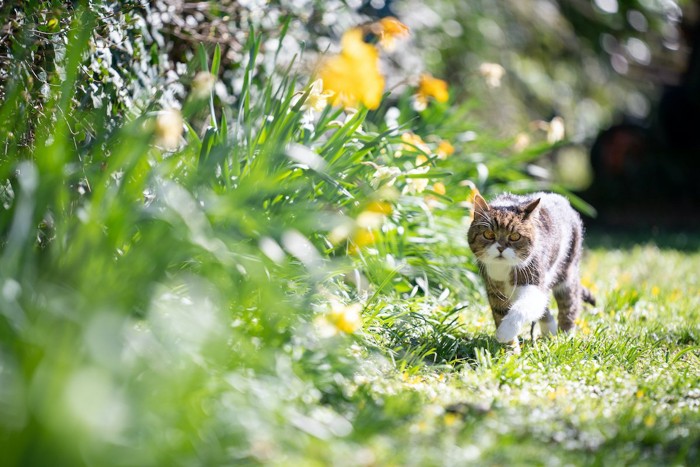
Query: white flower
point(316, 100)
point(203, 84)
point(492, 73)
point(417, 185)
point(556, 130)
point(384, 173)
point(168, 130)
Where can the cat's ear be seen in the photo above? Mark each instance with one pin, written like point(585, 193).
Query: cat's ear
point(480, 204)
point(530, 207)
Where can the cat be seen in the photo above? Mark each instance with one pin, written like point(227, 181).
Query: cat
point(527, 247)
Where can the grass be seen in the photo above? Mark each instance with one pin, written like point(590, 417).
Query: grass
point(260, 296)
point(624, 390)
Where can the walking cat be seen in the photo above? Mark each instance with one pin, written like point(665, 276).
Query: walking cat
point(527, 247)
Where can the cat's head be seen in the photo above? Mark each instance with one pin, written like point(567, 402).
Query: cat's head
point(503, 234)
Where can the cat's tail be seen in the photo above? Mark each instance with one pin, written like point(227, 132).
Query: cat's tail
point(587, 296)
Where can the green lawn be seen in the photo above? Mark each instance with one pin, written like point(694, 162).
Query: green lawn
point(624, 390)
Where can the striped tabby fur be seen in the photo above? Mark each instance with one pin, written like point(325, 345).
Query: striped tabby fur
point(528, 247)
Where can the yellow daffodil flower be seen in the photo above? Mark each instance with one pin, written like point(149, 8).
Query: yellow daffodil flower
point(430, 87)
point(388, 30)
point(412, 142)
point(345, 318)
point(444, 149)
point(353, 75)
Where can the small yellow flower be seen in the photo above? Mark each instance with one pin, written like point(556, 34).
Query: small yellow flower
point(444, 149)
point(639, 394)
point(412, 142)
point(439, 188)
point(388, 30)
point(353, 75)
point(451, 419)
point(583, 326)
point(430, 87)
point(492, 73)
point(421, 161)
point(655, 291)
point(168, 129)
point(345, 318)
point(649, 421)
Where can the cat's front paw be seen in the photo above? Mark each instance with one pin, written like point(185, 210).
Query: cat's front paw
point(508, 329)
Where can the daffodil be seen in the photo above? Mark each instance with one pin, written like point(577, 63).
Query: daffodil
point(492, 74)
point(384, 175)
point(419, 182)
point(361, 237)
point(444, 149)
point(168, 130)
point(345, 318)
point(340, 318)
point(439, 188)
point(556, 130)
point(203, 84)
point(316, 99)
point(388, 30)
point(353, 75)
point(412, 143)
point(430, 87)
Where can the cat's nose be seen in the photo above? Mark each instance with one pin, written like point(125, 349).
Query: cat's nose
point(500, 248)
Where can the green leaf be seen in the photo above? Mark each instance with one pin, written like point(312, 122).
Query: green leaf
point(216, 60)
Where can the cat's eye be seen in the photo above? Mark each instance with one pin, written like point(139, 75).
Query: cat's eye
point(489, 235)
point(514, 237)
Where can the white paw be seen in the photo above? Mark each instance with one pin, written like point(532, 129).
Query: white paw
point(508, 330)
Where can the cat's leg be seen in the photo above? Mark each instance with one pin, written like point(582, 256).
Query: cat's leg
point(529, 304)
point(568, 297)
point(498, 316)
point(548, 325)
point(500, 306)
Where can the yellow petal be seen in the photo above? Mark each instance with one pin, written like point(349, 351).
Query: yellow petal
point(428, 86)
point(354, 75)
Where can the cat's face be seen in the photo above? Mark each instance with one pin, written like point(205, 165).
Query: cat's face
point(502, 236)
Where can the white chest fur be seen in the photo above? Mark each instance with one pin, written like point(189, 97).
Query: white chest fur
point(499, 272)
